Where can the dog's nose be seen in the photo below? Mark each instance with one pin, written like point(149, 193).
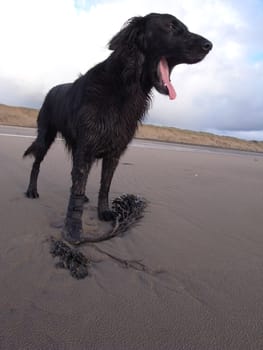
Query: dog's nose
point(207, 46)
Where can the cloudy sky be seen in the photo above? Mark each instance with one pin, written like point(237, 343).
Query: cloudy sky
point(48, 42)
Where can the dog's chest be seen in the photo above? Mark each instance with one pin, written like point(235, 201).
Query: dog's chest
point(118, 129)
point(116, 138)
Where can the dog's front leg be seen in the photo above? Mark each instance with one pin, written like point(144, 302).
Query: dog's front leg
point(72, 231)
point(108, 167)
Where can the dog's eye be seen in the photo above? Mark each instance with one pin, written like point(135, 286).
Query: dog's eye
point(172, 27)
point(175, 29)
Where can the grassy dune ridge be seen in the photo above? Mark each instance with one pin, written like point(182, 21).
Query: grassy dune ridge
point(21, 116)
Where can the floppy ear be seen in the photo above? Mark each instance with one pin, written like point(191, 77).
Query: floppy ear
point(131, 34)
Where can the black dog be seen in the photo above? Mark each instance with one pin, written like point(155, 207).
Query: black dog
point(98, 114)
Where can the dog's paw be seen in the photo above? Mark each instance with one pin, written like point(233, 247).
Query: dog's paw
point(72, 232)
point(32, 193)
point(106, 215)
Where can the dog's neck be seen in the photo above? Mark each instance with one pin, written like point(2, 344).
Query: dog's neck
point(130, 64)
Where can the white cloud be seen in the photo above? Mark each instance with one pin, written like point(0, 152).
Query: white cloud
point(48, 42)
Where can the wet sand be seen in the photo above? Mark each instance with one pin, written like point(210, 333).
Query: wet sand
point(195, 273)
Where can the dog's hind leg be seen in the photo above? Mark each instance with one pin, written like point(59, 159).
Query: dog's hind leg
point(38, 149)
point(108, 168)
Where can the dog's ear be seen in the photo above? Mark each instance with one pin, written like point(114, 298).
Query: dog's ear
point(131, 34)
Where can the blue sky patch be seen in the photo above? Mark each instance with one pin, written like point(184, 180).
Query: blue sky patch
point(86, 4)
point(257, 56)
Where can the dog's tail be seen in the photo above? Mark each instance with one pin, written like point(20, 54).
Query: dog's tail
point(31, 151)
point(128, 209)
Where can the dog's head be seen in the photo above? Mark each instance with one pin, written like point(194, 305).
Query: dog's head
point(165, 42)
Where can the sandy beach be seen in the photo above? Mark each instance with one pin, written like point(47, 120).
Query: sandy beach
point(195, 275)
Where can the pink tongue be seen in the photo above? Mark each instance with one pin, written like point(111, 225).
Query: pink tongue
point(164, 70)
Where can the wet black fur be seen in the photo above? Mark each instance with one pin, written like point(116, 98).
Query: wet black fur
point(98, 114)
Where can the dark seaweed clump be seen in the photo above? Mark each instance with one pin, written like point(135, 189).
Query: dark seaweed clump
point(127, 210)
point(70, 258)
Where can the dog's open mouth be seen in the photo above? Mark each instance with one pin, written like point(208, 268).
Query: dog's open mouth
point(165, 85)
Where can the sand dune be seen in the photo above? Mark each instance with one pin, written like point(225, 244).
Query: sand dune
point(20, 116)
